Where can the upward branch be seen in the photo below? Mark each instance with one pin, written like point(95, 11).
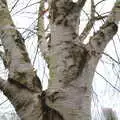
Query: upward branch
point(90, 23)
point(42, 42)
point(100, 39)
point(16, 58)
point(23, 87)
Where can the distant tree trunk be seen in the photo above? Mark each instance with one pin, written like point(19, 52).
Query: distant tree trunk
point(71, 64)
point(109, 114)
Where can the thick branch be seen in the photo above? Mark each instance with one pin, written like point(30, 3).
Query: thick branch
point(100, 39)
point(41, 21)
point(27, 103)
point(42, 42)
point(66, 13)
point(16, 58)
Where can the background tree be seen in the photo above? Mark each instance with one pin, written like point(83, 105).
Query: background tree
point(109, 114)
point(71, 62)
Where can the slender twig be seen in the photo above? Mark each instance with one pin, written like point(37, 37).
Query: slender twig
point(108, 82)
point(90, 23)
point(4, 102)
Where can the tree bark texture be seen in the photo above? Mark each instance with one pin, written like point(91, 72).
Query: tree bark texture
point(71, 64)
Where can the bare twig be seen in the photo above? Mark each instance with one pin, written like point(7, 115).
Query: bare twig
point(90, 23)
point(108, 82)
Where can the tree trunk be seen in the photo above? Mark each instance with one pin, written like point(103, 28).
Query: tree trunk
point(109, 114)
point(71, 64)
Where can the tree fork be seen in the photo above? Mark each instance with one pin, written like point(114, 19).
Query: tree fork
point(71, 66)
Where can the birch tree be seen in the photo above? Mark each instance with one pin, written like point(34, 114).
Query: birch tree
point(71, 62)
point(109, 114)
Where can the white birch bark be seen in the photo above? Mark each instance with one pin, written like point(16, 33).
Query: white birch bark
point(71, 63)
point(23, 87)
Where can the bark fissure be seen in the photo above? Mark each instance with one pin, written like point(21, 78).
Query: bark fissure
point(49, 113)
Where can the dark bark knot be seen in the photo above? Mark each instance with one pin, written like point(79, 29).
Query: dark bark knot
point(63, 12)
point(49, 113)
point(54, 97)
point(4, 2)
point(20, 43)
point(110, 25)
